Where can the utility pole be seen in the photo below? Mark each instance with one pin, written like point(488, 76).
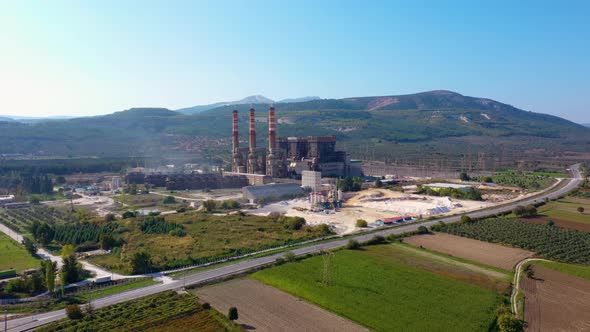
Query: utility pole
point(6, 320)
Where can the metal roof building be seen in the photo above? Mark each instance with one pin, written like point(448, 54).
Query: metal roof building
point(272, 191)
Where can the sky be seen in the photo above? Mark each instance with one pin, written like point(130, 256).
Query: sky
point(80, 58)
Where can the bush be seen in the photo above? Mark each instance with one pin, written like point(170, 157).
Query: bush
point(581, 209)
point(232, 314)
point(289, 256)
point(353, 245)
point(206, 306)
point(73, 312)
point(509, 323)
point(466, 219)
point(293, 223)
point(169, 200)
point(128, 214)
point(377, 239)
point(422, 230)
point(361, 223)
point(209, 205)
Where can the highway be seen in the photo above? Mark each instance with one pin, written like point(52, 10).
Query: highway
point(31, 322)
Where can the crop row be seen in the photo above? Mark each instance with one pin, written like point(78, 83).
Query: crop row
point(567, 245)
point(134, 315)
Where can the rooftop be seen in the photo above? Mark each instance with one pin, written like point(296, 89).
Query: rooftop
point(447, 185)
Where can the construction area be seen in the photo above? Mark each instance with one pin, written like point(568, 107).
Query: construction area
point(379, 207)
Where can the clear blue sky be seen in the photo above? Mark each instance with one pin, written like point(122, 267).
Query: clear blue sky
point(97, 57)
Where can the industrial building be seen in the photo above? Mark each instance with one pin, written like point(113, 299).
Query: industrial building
point(272, 192)
point(286, 156)
point(189, 181)
point(312, 180)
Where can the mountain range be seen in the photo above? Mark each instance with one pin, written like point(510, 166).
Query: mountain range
point(256, 99)
point(420, 125)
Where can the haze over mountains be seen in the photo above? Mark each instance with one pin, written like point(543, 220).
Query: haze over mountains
point(361, 124)
point(256, 99)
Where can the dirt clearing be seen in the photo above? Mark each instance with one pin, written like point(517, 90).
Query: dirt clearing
point(555, 301)
point(265, 308)
point(473, 250)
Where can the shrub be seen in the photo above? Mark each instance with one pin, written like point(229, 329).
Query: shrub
point(377, 239)
point(206, 306)
point(361, 223)
point(232, 314)
point(580, 209)
point(422, 230)
point(128, 214)
point(466, 219)
point(353, 245)
point(73, 311)
point(289, 256)
point(209, 205)
point(509, 323)
point(169, 200)
point(294, 223)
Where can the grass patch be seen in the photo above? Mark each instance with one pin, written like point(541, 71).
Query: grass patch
point(368, 285)
point(119, 288)
point(13, 255)
point(571, 269)
point(566, 209)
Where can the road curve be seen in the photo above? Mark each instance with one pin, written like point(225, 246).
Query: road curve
point(29, 323)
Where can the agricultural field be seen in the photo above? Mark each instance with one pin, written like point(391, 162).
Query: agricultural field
point(387, 288)
point(555, 301)
point(566, 245)
point(478, 251)
point(203, 237)
point(564, 212)
point(20, 220)
point(153, 313)
point(146, 201)
point(526, 181)
point(266, 309)
point(581, 271)
point(15, 256)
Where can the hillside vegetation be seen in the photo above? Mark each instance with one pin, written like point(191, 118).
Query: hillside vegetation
point(381, 122)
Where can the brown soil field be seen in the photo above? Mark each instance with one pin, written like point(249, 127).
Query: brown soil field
point(473, 250)
point(559, 223)
point(265, 308)
point(555, 301)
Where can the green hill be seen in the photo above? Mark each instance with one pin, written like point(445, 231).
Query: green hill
point(388, 127)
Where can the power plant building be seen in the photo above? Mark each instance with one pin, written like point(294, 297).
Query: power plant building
point(312, 180)
point(286, 156)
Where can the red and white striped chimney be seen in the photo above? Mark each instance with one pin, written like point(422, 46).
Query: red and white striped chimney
point(235, 133)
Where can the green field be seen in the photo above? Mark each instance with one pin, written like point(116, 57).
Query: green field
point(149, 313)
point(13, 255)
point(571, 269)
point(566, 209)
point(385, 289)
point(207, 237)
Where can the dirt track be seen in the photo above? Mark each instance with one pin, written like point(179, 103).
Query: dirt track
point(474, 250)
point(555, 301)
point(264, 308)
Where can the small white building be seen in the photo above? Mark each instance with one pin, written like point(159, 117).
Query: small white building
point(311, 179)
point(6, 199)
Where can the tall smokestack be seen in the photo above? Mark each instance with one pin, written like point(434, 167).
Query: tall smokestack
point(270, 158)
point(252, 160)
point(237, 156)
point(272, 130)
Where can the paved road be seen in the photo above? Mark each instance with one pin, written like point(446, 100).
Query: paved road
point(28, 323)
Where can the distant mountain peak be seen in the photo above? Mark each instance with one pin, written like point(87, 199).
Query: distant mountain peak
point(254, 99)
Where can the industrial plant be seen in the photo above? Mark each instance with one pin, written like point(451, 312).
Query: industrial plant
point(286, 156)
